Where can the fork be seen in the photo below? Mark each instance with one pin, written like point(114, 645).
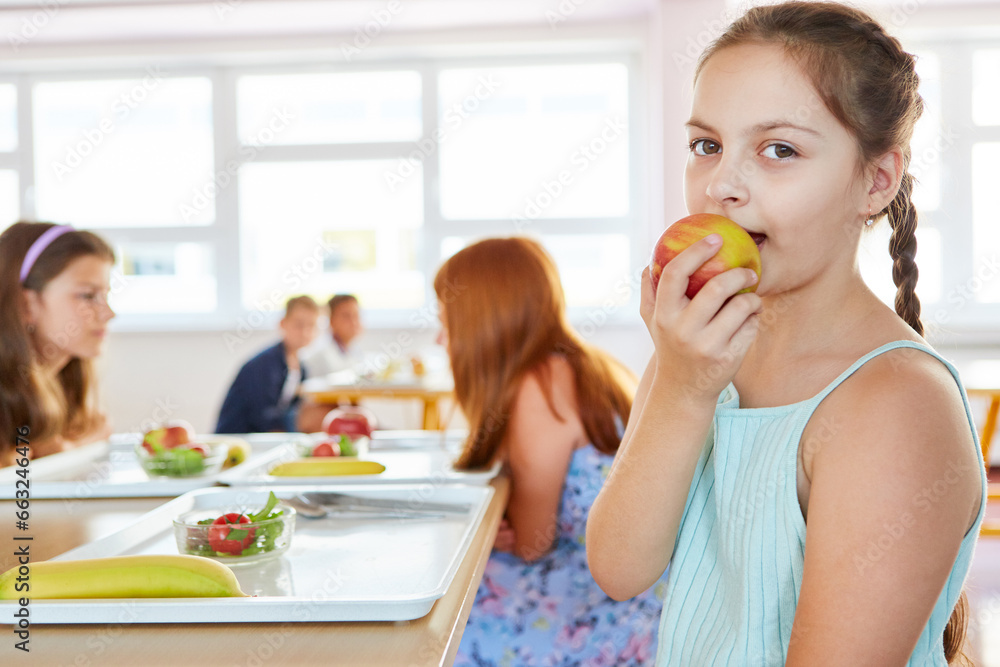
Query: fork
point(313, 510)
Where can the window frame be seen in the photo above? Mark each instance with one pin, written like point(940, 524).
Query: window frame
point(952, 318)
point(224, 237)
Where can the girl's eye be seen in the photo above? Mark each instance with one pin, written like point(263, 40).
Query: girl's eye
point(705, 147)
point(779, 151)
point(92, 296)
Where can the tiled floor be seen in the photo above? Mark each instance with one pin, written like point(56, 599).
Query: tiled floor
point(983, 587)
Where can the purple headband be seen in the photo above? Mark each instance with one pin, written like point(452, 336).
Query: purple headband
point(39, 246)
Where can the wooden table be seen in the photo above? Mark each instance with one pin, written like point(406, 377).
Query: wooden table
point(430, 395)
point(982, 380)
point(58, 527)
point(992, 397)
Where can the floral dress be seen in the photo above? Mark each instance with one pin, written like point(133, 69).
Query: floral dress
point(551, 612)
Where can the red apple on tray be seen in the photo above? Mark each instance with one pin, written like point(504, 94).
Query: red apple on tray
point(739, 249)
point(353, 421)
point(168, 435)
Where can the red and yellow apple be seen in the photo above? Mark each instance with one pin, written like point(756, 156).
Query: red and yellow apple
point(166, 436)
point(738, 249)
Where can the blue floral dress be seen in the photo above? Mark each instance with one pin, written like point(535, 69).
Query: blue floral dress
point(551, 612)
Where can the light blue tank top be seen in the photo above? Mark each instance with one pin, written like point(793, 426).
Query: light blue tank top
point(736, 571)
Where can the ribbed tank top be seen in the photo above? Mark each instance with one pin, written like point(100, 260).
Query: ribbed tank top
point(736, 571)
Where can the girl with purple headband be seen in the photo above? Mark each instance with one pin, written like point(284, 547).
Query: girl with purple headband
point(54, 284)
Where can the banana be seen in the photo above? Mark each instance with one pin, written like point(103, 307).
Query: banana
point(325, 467)
point(152, 576)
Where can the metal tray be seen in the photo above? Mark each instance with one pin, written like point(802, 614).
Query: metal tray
point(110, 469)
point(402, 466)
point(337, 569)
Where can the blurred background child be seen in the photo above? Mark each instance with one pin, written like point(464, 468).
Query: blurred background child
point(336, 353)
point(264, 396)
point(54, 314)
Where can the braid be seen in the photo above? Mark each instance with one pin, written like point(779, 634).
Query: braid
point(903, 250)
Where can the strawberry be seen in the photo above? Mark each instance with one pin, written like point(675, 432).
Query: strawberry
point(225, 535)
point(326, 448)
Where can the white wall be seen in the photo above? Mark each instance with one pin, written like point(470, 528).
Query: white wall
point(150, 377)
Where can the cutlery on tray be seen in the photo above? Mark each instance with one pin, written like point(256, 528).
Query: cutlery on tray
point(310, 509)
point(344, 500)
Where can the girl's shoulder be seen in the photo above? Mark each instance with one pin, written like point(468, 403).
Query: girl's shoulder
point(902, 411)
point(553, 376)
point(547, 393)
point(903, 381)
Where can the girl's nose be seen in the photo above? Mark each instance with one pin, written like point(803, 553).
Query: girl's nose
point(729, 183)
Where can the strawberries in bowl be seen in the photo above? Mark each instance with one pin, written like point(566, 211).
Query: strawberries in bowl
point(172, 450)
point(236, 535)
point(323, 445)
point(346, 432)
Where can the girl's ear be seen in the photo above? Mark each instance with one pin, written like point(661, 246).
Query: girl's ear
point(887, 175)
point(31, 306)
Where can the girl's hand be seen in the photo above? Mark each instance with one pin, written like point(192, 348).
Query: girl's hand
point(700, 342)
point(505, 537)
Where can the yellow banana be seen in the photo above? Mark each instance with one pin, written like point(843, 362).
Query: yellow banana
point(325, 467)
point(153, 576)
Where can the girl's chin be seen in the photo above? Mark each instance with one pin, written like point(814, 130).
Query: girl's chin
point(88, 352)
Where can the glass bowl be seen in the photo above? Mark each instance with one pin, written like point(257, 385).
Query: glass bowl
point(234, 543)
point(360, 444)
point(183, 461)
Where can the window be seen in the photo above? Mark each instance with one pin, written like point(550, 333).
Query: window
point(124, 152)
point(226, 191)
point(571, 120)
point(956, 163)
point(329, 108)
point(326, 227)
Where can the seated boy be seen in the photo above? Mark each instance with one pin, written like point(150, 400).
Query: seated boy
point(264, 396)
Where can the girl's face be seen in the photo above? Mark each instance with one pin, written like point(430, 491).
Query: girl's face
point(71, 313)
point(767, 153)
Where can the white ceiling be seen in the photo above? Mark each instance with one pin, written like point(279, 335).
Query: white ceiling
point(68, 27)
point(62, 22)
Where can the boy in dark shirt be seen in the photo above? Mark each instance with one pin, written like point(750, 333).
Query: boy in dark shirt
point(264, 396)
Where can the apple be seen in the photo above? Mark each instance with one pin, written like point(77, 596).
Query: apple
point(738, 249)
point(326, 448)
point(354, 422)
point(170, 434)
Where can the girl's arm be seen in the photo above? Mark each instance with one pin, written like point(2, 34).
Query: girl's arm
point(894, 487)
point(539, 449)
point(100, 429)
point(699, 344)
point(51, 446)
